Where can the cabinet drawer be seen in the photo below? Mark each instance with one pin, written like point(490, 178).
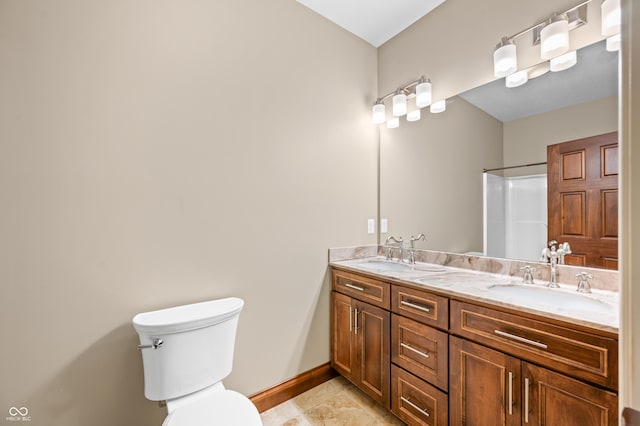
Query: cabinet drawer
point(420, 349)
point(362, 288)
point(416, 402)
point(421, 306)
point(578, 354)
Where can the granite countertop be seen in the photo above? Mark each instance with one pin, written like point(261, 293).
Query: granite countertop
point(598, 310)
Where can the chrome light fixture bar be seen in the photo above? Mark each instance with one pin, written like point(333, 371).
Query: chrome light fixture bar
point(419, 89)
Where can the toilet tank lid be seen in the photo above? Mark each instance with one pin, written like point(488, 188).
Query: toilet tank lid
point(187, 317)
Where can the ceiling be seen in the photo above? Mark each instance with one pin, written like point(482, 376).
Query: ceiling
point(375, 21)
point(595, 76)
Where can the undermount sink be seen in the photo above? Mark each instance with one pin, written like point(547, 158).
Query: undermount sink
point(383, 265)
point(548, 296)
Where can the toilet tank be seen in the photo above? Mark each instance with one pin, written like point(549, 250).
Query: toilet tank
point(197, 349)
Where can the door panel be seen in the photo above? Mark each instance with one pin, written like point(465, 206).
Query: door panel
point(342, 347)
point(583, 199)
point(483, 384)
point(555, 399)
point(374, 331)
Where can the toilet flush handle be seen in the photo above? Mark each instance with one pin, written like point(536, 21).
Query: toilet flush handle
point(156, 344)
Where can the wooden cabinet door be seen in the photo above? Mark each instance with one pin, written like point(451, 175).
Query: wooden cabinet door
point(342, 342)
point(583, 199)
point(554, 399)
point(372, 327)
point(484, 387)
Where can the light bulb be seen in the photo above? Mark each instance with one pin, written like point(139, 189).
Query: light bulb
point(413, 115)
point(423, 94)
point(438, 106)
point(554, 37)
point(613, 43)
point(399, 104)
point(393, 123)
point(505, 60)
point(611, 17)
point(563, 62)
point(517, 79)
point(378, 113)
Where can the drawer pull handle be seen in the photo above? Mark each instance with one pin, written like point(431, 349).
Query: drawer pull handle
point(510, 393)
point(414, 306)
point(411, 404)
point(520, 339)
point(356, 318)
point(355, 287)
point(412, 349)
point(526, 400)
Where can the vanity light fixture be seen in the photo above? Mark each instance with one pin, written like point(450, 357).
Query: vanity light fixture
point(505, 59)
point(419, 89)
point(554, 36)
point(611, 22)
point(423, 93)
point(613, 43)
point(437, 107)
point(399, 103)
point(379, 114)
point(413, 115)
point(517, 79)
point(563, 62)
point(611, 17)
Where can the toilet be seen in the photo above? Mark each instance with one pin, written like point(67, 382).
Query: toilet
point(186, 352)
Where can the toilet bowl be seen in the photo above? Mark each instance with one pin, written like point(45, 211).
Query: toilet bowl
point(186, 352)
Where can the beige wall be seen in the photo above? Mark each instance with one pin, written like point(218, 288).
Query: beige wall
point(526, 139)
point(155, 153)
point(419, 164)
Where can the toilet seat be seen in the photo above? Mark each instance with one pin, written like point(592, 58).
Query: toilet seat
point(223, 408)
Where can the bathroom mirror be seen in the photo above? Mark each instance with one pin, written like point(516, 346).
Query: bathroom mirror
point(431, 171)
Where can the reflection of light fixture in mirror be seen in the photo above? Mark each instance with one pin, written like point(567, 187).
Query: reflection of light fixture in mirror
point(438, 106)
point(517, 79)
point(378, 114)
point(538, 70)
point(613, 43)
point(563, 62)
point(554, 37)
point(413, 115)
point(611, 17)
point(399, 104)
point(505, 60)
point(423, 93)
point(393, 123)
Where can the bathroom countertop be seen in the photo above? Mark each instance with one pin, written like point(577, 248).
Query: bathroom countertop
point(599, 311)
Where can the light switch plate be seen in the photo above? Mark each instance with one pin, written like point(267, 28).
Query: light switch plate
point(371, 226)
point(383, 226)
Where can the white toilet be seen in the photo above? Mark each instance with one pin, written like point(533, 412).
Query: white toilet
point(186, 352)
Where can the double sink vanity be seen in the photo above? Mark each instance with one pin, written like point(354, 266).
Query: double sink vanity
point(438, 342)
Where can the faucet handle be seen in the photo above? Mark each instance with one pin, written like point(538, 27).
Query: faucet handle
point(527, 277)
point(583, 282)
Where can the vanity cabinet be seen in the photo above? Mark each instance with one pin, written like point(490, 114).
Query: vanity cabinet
point(436, 360)
point(361, 336)
point(500, 387)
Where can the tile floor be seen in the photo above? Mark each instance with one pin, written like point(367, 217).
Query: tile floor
point(336, 402)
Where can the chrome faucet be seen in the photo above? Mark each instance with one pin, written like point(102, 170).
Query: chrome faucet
point(412, 253)
point(583, 282)
point(389, 248)
point(553, 263)
point(527, 277)
point(562, 250)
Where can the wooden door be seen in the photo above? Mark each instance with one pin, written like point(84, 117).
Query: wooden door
point(484, 387)
point(583, 199)
point(373, 329)
point(554, 399)
point(342, 343)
